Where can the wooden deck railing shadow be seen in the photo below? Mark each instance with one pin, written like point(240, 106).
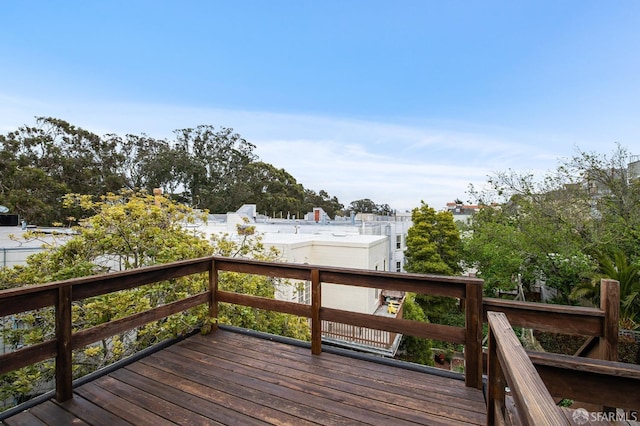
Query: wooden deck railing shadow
point(599, 322)
point(534, 379)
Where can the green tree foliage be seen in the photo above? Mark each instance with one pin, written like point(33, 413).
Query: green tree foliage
point(559, 227)
point(322, 199)
point(497, 250)
point(628, 275)
point(433, 243)
point(40, 164)
point(433, 247)
point(216, 168)
point(272, 190)
point(415, 349)
point(365, 205)
point(204, 167)
point(131, 230)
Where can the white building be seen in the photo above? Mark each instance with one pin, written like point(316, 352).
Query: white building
point(322, 243)
point(347, 243)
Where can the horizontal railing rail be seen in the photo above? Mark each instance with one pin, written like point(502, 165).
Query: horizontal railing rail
point(591, 381)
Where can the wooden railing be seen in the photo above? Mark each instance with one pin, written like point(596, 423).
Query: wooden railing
point(510, 366)
point(61, 295)
point(534, 379)
point(464, 288)
point(600, 323)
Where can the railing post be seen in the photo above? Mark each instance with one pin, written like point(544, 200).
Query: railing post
point(64, 372)
point(316, 303)
point(213, 291)
point(473, 338)
point(495, 383)
point(610, 304)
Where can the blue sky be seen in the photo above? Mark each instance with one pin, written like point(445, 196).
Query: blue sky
point(396, 101)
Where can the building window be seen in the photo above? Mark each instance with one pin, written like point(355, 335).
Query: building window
point(398, 266)
point(303, 292)
point(398, 242)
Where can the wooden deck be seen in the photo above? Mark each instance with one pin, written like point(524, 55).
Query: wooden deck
point(232, 378)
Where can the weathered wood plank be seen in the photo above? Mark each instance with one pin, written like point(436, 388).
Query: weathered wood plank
point(293, 308)
point(496, 384)
point(315, 385)
point(548, 317)
point(271, 269)
point(316, 306)
point(229, 378)
point(64, 372)
point(27, 356)
point(437, 285)
point(532, 398)
point(52, 414)
point(91, 413)
point(300, 358)
point(214, 308)
point(178, 376)
point(575, 378)
point(164, 407)
point(473, 336)
point(293, 362)
point(24, 418)
point(123, 280)
point(610, 304)
point(302, 370)
point(129, 411)
point(14, 301)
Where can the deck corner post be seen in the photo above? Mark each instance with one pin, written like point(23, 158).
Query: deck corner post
point(316, 303)
point(610, 304)
point(64, 370)
point(213, 292)
point(473, 338)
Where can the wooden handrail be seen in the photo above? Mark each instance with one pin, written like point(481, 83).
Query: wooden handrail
point(510, 366)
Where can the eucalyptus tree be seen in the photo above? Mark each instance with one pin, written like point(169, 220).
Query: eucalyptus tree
point(330, 204)
point(42, 163)
point(271, 189)
point(217, 159)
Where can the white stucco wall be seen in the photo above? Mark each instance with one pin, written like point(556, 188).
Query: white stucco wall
point(340, 250)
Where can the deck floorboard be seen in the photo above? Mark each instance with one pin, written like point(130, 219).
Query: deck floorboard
point(232, 378)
